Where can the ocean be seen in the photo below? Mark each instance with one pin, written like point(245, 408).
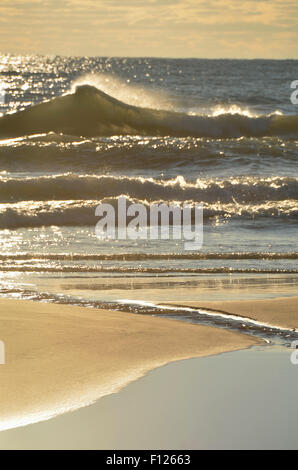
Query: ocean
point(222, 133)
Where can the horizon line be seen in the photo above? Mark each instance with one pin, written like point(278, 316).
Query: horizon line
point(143, 57)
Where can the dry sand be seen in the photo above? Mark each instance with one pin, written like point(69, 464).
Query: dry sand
point(281, 312)
point(59, 358)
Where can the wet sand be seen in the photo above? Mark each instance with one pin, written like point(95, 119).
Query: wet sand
point(239, 400)
point(59, 357)
point(280, 311)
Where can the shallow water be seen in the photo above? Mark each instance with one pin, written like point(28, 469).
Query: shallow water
point(240, 400)
point(151, 295)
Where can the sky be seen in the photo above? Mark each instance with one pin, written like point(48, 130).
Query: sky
point(154, 28)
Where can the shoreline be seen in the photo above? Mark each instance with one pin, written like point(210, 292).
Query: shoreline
point(60, 358)
point(281, 312)
point(202, 395)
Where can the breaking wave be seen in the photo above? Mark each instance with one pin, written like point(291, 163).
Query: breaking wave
point(91, 112)
point(59, 153)
point(82, 212)
point(147, 256)
point(70, 186)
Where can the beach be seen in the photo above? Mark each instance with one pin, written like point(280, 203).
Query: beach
point(59, 358)
point(152, 337)
point(240, 400)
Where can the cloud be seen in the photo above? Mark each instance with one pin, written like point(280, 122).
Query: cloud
point(197, 28)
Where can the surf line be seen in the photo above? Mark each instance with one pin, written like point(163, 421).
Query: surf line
point(218, 319)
